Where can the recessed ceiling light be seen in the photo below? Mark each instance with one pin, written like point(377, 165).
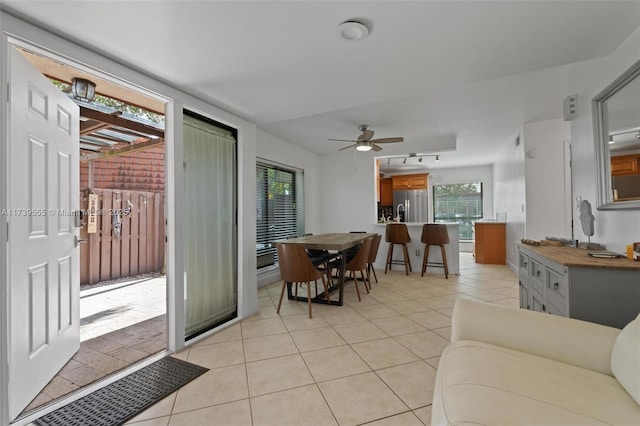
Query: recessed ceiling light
point(352, 31)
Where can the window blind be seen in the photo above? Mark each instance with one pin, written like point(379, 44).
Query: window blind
point(279, 208)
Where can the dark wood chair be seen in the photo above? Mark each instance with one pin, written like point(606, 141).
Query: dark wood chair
point(373, 253)
point(434, 234)
point(296, 267)
point(397, 233)
point(357, 263)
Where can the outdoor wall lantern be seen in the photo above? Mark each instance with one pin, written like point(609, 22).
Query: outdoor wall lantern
point(83, 90)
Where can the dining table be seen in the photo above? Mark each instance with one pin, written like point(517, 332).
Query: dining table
point(338, 242)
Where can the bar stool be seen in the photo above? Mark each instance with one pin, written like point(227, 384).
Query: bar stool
point(397, 233)
point(434, 234)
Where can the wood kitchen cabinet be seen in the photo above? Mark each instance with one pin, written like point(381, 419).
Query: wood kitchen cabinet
point(386, 192)
point(625, 165)
point(491, 242)
point(417, 181)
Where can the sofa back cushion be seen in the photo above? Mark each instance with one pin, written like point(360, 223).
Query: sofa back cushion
point(625, 358)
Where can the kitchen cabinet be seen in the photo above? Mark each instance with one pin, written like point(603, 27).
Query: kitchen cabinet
point(386, 192)
point(566, 281)
point(490, 242)
point(625, 165)
point(417, 181)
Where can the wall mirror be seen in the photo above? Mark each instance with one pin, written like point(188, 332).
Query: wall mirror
point(616, 123)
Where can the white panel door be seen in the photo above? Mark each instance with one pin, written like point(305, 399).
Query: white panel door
point(44, 274)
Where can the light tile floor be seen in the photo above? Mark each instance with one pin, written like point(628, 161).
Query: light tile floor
point(371, 362)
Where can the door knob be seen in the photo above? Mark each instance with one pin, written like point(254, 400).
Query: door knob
point(77, 241)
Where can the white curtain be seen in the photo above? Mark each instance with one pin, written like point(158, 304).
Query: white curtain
point(209, 225)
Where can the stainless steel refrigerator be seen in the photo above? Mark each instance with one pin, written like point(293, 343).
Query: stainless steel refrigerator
point(411, 205)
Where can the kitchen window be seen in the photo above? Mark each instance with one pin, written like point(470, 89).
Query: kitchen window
point(460, 203)
point(279, 208)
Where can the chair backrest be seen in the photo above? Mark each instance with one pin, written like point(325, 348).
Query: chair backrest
point(295, 264)
point(359, 262)
point(397, 233)
point(434, 233)
point(373, 253)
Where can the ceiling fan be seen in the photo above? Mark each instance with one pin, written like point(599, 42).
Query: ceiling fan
point(364, 141)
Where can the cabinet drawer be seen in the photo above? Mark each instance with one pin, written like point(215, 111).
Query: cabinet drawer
point(523, 265)
point(537, 276)
point(556, 291)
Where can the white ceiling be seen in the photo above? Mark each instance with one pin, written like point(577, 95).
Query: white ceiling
point(438, 73)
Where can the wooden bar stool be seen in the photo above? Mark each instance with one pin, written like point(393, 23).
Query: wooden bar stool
point(434, 234)
point(397, 233)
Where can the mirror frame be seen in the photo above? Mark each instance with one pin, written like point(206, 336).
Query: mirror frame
point(604, 196)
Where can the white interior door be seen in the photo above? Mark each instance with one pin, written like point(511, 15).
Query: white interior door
point(44, 277)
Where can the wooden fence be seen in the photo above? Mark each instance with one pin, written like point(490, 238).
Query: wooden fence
point(139, 249)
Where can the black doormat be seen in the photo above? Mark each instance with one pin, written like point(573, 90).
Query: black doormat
point(122, 400)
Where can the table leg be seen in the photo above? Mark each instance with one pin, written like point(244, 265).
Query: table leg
point(343, 265)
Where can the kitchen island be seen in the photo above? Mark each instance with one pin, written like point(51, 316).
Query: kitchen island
point(416, 248)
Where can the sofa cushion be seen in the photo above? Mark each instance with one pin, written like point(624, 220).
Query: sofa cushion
point(625, 358)
point(480, 383)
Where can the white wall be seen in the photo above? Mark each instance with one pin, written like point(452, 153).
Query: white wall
point(546, 211)
point(509, 195)
point(615, 229)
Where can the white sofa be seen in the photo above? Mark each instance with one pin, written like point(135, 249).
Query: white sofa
point(509, 366)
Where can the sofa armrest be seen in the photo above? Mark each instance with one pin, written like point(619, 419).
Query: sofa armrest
point(580, 343)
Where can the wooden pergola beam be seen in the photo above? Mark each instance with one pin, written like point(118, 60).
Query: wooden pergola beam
point(123, 151)
point(115, 120)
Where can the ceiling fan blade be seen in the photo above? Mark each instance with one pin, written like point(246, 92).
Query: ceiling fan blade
point(388, 140)
point(342, 140)
point(347, 147)
point(366, 135)
point(375, 147)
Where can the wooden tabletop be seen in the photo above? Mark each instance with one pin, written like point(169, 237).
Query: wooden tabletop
point(332, 241)
point(571, 256)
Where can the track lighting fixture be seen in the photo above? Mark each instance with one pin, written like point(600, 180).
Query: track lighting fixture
point(414, 155)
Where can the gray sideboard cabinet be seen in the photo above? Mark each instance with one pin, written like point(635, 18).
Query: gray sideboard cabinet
point(567, 281)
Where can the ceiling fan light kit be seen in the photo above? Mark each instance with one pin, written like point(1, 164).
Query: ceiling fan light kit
point(364, 141)
point(363, 146)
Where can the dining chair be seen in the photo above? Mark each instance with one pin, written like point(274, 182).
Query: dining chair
point(357, 263)
point(397, 233)
point(295, 268)
point(320, 259)
point(373, 253)
point(434, 234)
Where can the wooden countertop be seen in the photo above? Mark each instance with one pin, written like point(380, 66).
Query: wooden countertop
point(570, 256)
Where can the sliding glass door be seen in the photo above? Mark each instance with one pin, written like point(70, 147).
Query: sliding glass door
point(210, 228)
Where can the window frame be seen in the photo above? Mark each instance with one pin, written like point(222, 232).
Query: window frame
point(269, 225)
point(465, 223)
